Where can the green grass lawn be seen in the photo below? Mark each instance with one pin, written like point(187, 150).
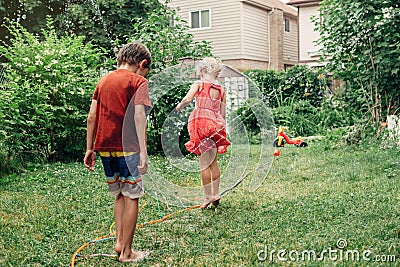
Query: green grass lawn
point(313, 200)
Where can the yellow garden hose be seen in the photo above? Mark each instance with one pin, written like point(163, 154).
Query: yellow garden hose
point(111, 233)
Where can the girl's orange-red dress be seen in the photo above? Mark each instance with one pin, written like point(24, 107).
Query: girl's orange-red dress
point(206, 125)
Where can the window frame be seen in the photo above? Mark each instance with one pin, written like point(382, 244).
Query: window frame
point(286, 24)
point(200, 27)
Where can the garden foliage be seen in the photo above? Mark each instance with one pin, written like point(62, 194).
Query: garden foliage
point(49, 80)
point(361, 42)
point(46, 93)
point(105, 23)
point(49, 77)
point(302, 99)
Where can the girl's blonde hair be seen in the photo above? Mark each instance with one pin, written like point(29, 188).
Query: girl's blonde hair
point(210, 65)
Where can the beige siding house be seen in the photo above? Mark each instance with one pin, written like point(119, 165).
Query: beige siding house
point(308, 49)
point(245, 34)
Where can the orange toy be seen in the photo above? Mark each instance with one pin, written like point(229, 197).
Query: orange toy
point(282, 138)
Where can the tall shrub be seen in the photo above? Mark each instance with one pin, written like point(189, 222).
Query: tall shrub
point(270, 84)
point(361, 42)
point(46, 94)
point(295, 97)
point(296, 84)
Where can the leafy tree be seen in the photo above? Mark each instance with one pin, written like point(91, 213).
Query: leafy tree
point(361, 42)
point(31, 14)
point(105, 22)
point(168, 38)
point(46, 92)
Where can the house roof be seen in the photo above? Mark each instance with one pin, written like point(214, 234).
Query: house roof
point(270, 4)
point(297, 3)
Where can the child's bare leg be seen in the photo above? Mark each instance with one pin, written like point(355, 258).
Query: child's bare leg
point(216, 174)
point(129, 219)
point(118, 211)
point(207, 158)
point(206, 182)
point(206, 176)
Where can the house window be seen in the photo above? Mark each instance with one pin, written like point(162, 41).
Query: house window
point(287, 66)
point(287, 25)
point(200, 19)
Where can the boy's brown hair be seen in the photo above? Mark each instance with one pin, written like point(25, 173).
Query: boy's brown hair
point(133, 53)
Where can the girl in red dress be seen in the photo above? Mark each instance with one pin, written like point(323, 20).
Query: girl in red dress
point(207, 126)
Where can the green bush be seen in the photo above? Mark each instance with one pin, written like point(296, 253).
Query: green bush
point(304, 83)
point(255, 118)
point(339, 110)
point(49, 81)
point(294, 96)
point(269, 82)
point(246, 116)
point(301, 99)
point(296, 84)
point(357, 134)
point(300, 117)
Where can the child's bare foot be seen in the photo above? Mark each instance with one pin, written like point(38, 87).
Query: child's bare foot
point(215, 203)
point(134, 256)
point(118, 248)
point(206, 203)
point(213, 200)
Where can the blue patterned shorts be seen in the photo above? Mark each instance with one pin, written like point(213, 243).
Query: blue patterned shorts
point(122, 174)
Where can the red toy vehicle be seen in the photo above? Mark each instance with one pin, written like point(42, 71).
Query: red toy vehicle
point(282, 138)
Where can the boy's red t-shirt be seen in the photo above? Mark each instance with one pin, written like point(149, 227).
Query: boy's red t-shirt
point(116, 94)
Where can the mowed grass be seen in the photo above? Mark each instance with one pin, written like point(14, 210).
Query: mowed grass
point(312, 198)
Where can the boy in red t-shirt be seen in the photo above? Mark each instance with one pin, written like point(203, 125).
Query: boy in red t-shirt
point(116, 129)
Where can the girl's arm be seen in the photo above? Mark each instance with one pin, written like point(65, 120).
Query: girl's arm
point(222, 109)
point(189, 96)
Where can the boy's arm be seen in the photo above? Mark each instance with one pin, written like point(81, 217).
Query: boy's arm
point(140, 123)
point(189, 96)
point(90, 156)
